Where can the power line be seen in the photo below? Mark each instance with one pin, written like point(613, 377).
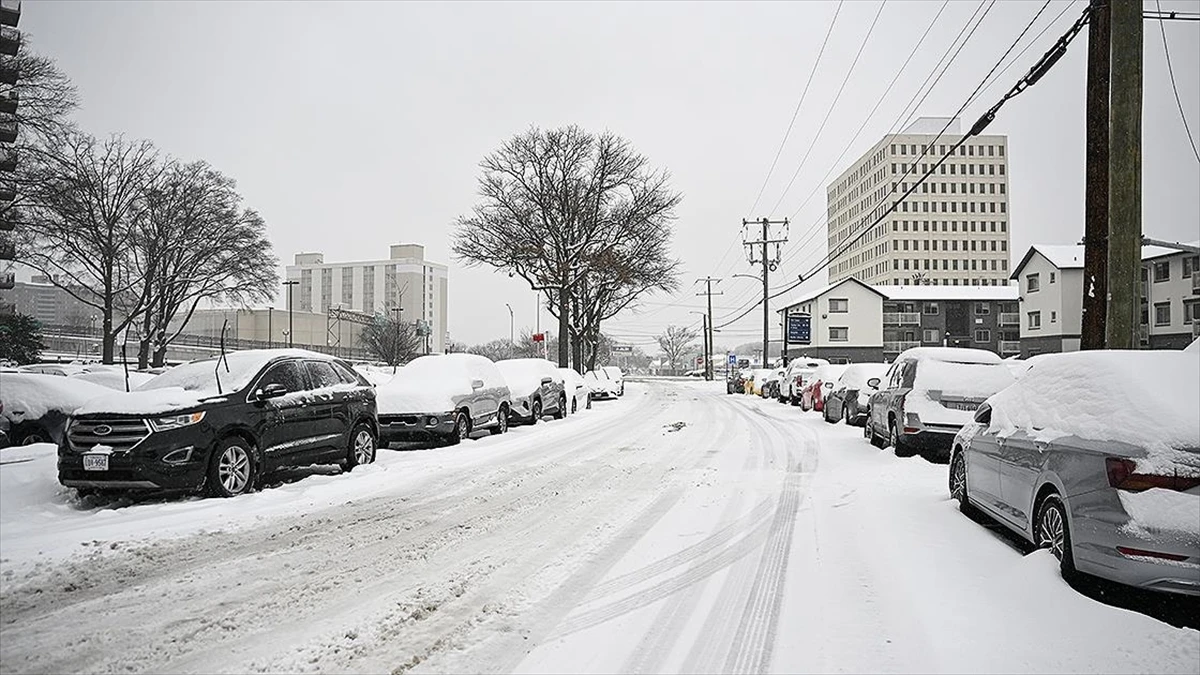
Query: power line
point(799, 103)
point(1175, 89)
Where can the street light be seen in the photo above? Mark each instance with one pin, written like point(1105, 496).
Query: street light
point(289, 285)
point(511, 335)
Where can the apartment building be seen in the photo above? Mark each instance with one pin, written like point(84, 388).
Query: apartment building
point(953, 229)
point(10, 46)
point(853, 322)
point(1050, 279)
point(404, 281)
point(51, 305)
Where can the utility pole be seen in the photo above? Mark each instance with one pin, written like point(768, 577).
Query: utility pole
point(708, 336)
point(769, 263)
point(1125, 176)
point(1095, 237)
point(289, 285)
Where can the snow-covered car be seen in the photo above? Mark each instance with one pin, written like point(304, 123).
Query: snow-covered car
point(796, 377)
point(114, 378)
point(36, 406)
point(928, 394)
point(617, 377)
point(755, 380)
point(600, 384)
point(376, 375)
point(819, 386)
point(221, 424)
point(576, 388)
point(848, 399)
point(537, 389)
point(770, 385)
point(1107, 478)
point(443, 398)
point(60, 369)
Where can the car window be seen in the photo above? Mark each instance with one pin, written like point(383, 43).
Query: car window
point(897, 375)
point(287, 373)
point(346, 374)
point(322, 374)
point(909, 374)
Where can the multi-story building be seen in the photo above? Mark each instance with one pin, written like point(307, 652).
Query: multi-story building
point(405, 282)
point(51, 305)
point(852, 322)
point(10, 45)
point(952, 231)
point(1050, 279)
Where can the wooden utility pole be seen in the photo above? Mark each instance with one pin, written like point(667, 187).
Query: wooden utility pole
point(769, 262)
point(1095, 239)
point(1125, 176)
point(708, 336)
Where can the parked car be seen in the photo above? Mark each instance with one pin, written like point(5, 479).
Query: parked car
point(735, 383)
point(928, 394)
point(576, 388)
point(617, 377)
point(796, 377)
point(755, 380)
point(848, 399)
point(114, 378)
point(1106, 477)
point(819, 386)
point(600, 384)
point(221, 424)
point(537, 389)
point(443, 398)
point(36, 406)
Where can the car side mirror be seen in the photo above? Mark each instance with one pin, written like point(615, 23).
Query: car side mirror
point(983, 414)
point(273, 390)
point(547, 380)
point(476, 384)
point(873, 383)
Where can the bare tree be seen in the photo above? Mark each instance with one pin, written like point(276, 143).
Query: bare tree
point(193, 241)
point(45, 96)
point(677, 342)
point(82, 199)
point(496, 350)
point(556, 205)
point(390, 340)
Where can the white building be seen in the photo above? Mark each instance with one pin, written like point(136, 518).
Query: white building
point(952, 231)
point(1050, 279)
point(404, 281)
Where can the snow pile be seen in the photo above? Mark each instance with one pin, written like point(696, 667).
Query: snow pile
point(1157, 510)
point(524, 376)
point(1147, 399)
point(114, 379)
point(29, 396)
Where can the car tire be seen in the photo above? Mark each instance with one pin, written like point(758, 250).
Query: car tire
point(501, 421)
point(462, 429)
point(574, 404)
point(874, 438)
point(958, 483)
point(846, 414)
point(562, 407)
point(232, 469)
point(899, 447)
point(1053, 531)
point(536, 411)
point(795, 400)
point(30, 433)
point(363, 446)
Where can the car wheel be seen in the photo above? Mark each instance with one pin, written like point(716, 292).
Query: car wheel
point(825, 414)
point(795, 400)
point(958, 481)
point(462, 428)
point(231, 470)
point(28, 434)
point(846, 414)
point(362, 447)
point(537, 411)
point(574, 404)
point(869, 432)
point(1054, 532)
point(899, 447)
point(501, 421)
point(562, 407)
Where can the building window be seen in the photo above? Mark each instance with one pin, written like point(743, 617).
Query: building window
point(930, 336)
point(1191, 312)
point(1162, 271)
point(1053, 316)
point(1162, 314)
point(839, 305)
point(1035, 320)
point(1052, 277)
point(982, 308)
point(983, 335)
point(1191, 265)
point(1032, 284)
point(839, 334)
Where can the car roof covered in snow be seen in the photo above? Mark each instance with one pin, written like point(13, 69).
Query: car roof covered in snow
point(950, 354)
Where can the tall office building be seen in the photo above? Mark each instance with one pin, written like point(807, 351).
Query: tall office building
point(10, 46)
point(952, 231)
point(405, 281)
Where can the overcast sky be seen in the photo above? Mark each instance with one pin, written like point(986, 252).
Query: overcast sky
point(352, 126)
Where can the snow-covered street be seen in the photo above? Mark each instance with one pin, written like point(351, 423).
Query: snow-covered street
point(677, 529)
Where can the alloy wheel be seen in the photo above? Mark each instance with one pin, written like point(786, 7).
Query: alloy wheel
point(461, 426)
point(502, 420)
point(958, 479)
point(233, 469)
point(364, 447)
point(1051, 529)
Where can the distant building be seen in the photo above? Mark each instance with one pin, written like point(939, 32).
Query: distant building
point(952, 231)
point(10, 46)
point(405, 280)
point(1050, 279)
point(267, 328)
point(51, 305)
point(852, 322)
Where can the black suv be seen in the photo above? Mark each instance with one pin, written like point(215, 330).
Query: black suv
point(220, 425)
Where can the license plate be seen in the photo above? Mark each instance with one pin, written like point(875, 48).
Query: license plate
point(962, 405)
point(95, 462)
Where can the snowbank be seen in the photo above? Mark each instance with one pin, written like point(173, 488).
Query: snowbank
point(1147, 399)
point(28, 396)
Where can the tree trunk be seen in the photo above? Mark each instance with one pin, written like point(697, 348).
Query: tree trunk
point(564, 327)
point(160, 357)
point(108, 345)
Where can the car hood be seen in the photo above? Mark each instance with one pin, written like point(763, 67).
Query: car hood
point(147, 402)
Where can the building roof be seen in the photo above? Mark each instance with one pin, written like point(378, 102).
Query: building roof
point(945, 293)
point(813, 295)
point(1070, 256)
point(1149, 252)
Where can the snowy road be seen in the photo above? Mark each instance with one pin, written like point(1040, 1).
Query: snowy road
point(675, 530)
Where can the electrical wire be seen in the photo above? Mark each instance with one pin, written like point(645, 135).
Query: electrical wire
point(1171, 71)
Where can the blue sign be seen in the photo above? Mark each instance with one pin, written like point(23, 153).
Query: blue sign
point(733, 359)
point(799, 329)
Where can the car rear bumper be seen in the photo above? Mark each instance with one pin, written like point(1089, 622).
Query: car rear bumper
point(936, 440)
point(397, 428)
point(1140, 571)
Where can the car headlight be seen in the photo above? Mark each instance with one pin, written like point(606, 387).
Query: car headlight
point(175, 421)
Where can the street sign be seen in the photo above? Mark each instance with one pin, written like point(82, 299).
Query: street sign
point(733, 359)
point(539, 337)
point(699, 361)
point(799, 329)
point(622, 349)
point(743, 363)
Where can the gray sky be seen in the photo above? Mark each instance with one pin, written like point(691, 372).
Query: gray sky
point(351, 126)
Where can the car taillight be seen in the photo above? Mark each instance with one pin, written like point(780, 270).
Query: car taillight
point(1122, 475)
